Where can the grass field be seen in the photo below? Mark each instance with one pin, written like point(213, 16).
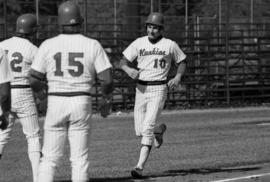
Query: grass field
point(200, 145)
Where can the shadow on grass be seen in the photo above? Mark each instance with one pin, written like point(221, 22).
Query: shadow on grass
point(205, 171)
point(199, 171)
point(116, 179)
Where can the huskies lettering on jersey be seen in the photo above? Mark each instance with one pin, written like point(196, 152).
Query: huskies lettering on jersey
point(154, 51)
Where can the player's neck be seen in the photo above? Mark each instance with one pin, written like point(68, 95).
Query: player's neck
point(153, 41)
point(70, 33)
point(24, 36)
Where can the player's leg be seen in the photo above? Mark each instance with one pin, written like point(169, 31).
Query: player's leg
point(139, 116)
point(154, 107)
point(31, 130)
point(55, 133)
point(139, 110)
point(79, 157)
point(28, 116)
point(5, 134)
point(79, 138)
point(52, 150)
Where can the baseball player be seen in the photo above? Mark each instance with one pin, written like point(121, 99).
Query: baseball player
point(69, 62)
point(21, 52)
point(5, 78)
point(154, 54)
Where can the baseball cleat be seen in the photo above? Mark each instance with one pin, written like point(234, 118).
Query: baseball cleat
point(136, 173)
point(158, 132)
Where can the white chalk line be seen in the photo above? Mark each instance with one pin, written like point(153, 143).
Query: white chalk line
point(243, 177)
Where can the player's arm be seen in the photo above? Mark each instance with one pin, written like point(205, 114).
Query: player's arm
point(181, 68)
point(133, 73)
point(106, 81)
point(5, 96)
point(38, 83)
point(5, 102)
point(5, 91)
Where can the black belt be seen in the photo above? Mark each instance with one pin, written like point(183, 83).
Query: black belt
point(20, 86)
point(69, 94)
point(162, 82)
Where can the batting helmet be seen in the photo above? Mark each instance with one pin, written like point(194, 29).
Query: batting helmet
point(69, 14)
point(26, 23)
point(155, 19)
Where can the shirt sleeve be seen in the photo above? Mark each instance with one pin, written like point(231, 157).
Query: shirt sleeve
point(101, 60)
point(5, 71)
point(39, 63)
point(177, 54)
point(131, 52)
point(33, 53)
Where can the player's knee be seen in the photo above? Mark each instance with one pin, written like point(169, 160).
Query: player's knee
point(49, 162)
point(34, 144)
point(46, 170)
point(147, 140)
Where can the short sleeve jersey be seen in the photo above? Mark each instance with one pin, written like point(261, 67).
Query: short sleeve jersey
point(5, 72)
point(154, 60)
point(20, 53)
point(70, 62)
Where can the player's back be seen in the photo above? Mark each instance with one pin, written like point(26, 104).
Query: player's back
point(69, 62)
point(21, 53)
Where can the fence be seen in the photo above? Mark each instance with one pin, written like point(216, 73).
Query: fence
point(228, 63)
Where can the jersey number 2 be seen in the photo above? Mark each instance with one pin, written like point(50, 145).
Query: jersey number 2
point(17, 59)
point(71, 62)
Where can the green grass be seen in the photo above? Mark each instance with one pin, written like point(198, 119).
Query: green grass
point(195, 143)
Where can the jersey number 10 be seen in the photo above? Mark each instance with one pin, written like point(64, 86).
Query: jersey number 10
point(160, 63)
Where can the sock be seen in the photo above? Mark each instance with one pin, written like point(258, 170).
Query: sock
point(144, 154)
point(34, 159)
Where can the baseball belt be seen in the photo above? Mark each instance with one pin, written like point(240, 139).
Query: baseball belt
point(20, 86)
point(142, 82)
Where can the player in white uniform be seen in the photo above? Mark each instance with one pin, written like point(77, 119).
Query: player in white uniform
point(154, 55)
point(69, 62)
point(21, 52)
point(5, 96)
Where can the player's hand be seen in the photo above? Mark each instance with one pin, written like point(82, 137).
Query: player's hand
point(105, 107)
point(133, 73)
point(173, 83)
point(4, 121)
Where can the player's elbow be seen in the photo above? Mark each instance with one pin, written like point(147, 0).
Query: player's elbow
point(36, 80)
point(106, 81)
point(107, 86)
point(123, 63)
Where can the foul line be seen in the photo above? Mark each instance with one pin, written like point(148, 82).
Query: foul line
point(244, 177)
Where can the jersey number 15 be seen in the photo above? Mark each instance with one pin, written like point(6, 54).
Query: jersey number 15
point(72, 56)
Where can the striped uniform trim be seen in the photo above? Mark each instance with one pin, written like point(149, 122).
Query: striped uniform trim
point(69, 94)
point(20, 86)
point(142, 82)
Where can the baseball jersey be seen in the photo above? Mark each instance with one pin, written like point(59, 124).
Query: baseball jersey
point(21, 53)
point(154, 59)
point(5, 72)
point(70, 62)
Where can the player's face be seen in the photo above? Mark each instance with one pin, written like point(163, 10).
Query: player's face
point(153, 31)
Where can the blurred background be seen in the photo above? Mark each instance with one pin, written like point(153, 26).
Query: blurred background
point(227, 43)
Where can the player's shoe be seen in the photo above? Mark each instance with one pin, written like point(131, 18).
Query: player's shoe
point(158, 132)
point(136, 173)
